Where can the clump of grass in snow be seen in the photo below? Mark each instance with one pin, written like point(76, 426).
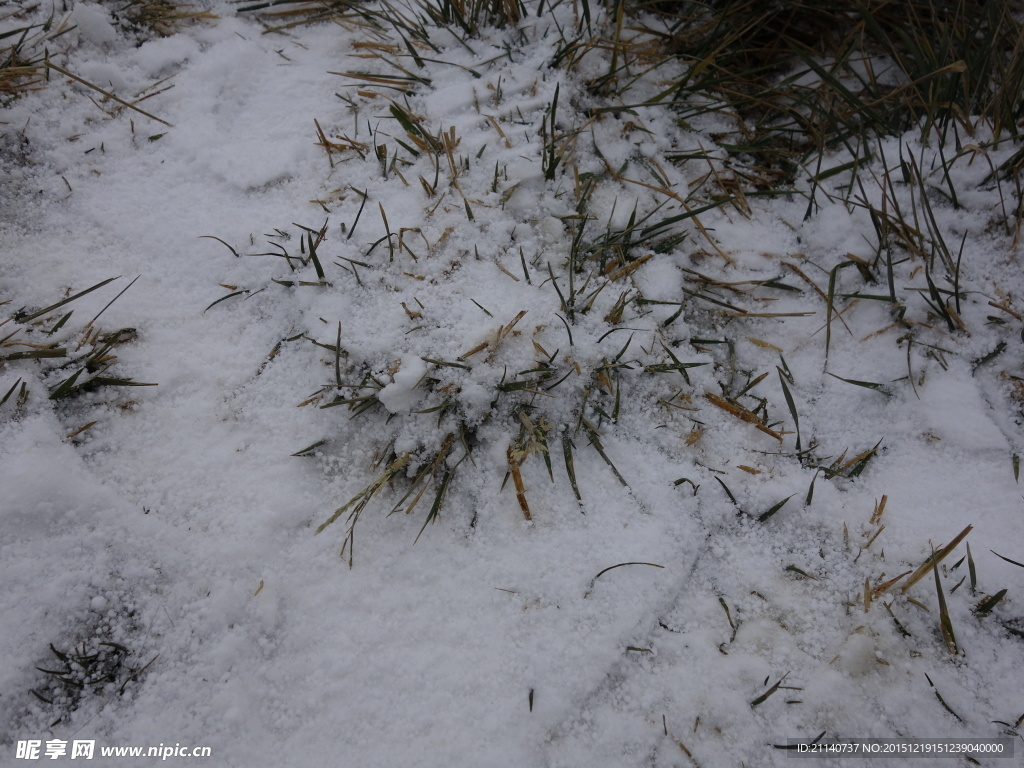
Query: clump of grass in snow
point(27, 37)
point(92, 668)
point(804, 76)
point(70, 358)
point(563, 396)
point(411, 22)
point(92, 664)
point(23, 49)
point(164, 17)
point(800, 83)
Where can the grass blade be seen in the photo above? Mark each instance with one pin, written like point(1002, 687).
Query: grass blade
point(775, 508)
point(938, 557)
point(792, 407)
point(986, 605)
point(570, 469)
point(1012, 562)
point(945, 623)
point(612, 567)
point(21, 318)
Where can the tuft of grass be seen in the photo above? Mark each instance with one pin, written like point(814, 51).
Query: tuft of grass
point(28, 37)
point(94, 367)
point(164, 17)
point(471, 15)
point(71, 366)
point(89, 672)
point(23, 54)
point(801, 95)
point(529, 401)
point(358, 503)
point(94, 667)
point(804, 76)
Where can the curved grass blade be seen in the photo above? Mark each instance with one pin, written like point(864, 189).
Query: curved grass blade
point(612, 567)
point(225, 298)
point(866, 384)
point(1012, 562)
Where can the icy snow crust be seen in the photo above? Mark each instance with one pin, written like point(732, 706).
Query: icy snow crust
point(180, 526)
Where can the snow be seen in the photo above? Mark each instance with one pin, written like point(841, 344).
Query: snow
point(400, 396)
point(180, 525)
point(93, 24)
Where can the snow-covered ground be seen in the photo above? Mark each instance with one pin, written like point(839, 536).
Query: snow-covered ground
point(180, 526)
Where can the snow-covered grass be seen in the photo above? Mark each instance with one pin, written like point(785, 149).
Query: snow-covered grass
point(682, 343)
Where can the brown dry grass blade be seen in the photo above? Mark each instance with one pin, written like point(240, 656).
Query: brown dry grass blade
point(108, 94)
point(741, 413)
point(937, 558)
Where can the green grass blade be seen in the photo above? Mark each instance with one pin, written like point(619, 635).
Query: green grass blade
point(985, 606)
point(19, 317)
point(570, 469)
point(775, 509)
point(792, 407)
